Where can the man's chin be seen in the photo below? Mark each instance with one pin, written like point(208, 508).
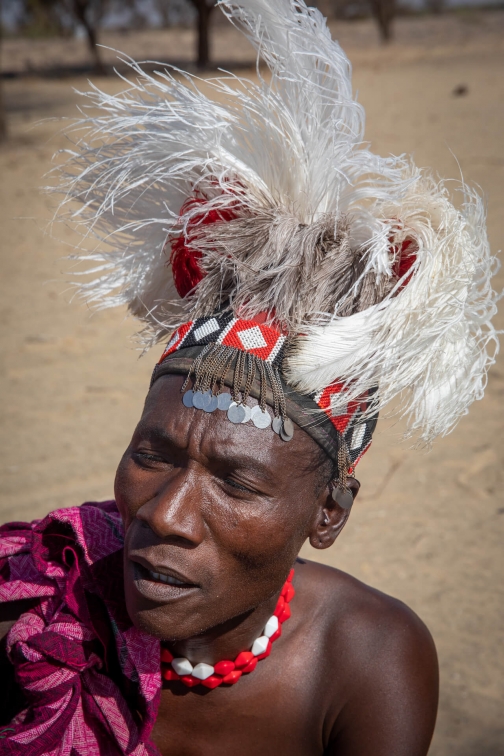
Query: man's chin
point(180, 620)
point(164, 623)
point(162, 609)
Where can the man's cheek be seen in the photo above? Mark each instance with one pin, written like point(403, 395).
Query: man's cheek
point(266, 528)
point(133, 488)
point(259, 547)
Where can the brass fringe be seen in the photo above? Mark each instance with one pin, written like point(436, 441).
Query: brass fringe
point(211, 366)
point(343, 465)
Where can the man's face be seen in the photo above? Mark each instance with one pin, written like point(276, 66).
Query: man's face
point(217, 509)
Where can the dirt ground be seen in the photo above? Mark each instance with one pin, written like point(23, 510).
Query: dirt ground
point(428, 526)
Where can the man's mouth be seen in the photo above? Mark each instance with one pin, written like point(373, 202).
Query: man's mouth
point(168, 579)
point(160, 586)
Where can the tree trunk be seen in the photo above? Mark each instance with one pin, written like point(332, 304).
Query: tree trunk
point(204, 9)
point(384, 12)
point(3, 122)
point(163, 10)
point(80, 8)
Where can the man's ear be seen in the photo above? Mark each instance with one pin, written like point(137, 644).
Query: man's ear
point(330, 518)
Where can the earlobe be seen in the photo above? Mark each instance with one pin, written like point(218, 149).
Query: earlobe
point(330, 523)
point(332, 516)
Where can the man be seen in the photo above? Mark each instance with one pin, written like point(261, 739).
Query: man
point(316, 282)
point(214, 515)
point(354, 671)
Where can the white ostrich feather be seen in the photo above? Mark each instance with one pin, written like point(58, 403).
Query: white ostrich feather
point(286, 154)
point(294, 142)
point(432, 343)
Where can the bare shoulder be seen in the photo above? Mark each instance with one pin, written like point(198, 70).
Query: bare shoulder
point(359, 615)
point(379, 664)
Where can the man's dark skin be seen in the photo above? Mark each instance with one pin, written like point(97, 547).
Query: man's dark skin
point(226, 509)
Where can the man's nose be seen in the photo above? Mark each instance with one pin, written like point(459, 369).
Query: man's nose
point(175, 511)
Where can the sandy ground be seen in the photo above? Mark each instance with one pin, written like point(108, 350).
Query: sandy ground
point(428, 527)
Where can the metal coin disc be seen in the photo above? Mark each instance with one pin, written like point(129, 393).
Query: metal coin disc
point(236, 413)
point(259, 418)
point(284, 436)
point(187, 399)
point(211, 406)
point(224, 401)
point(197, 400)
point(277, 424)
point(288, 427)
point(287, 430)
point(206, 401)
point(248, 412)
point(343, 497)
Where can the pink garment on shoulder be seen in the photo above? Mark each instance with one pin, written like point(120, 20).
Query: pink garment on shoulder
point(91, 680)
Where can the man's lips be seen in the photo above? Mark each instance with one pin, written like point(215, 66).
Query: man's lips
point(163, 573)
point(159, 582)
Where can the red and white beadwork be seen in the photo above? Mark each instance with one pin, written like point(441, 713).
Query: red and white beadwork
point(349, 421)
point(250, 336)
point(229, 672)
point(268, 344)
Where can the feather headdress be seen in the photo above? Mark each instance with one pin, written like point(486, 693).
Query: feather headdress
point(266, 200)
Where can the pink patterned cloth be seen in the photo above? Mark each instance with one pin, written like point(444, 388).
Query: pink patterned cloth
point(91, 680)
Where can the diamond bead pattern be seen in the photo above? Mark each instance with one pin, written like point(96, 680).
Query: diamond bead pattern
point(268, 344)
point(202, 671)
point(348, 419)
point(252, 338)
point(206, 329)
point(271, 626)
point(260, 645)
point(264, 341)
point(182, 666)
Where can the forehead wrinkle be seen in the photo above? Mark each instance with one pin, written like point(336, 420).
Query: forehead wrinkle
point(221, 442)
point(158, 433)
point(214, 433)
point(209, 444)
point(245, 462)
point(234, 439)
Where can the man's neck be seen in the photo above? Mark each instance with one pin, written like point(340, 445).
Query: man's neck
point(227, 640)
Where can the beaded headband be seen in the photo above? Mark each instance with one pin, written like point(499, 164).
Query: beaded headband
point(246, 356)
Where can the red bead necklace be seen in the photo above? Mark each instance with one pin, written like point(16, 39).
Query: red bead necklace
point(229, 672)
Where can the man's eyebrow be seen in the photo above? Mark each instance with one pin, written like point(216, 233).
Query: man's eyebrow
point(246, 462)
point(243, 461)
point(156, 433)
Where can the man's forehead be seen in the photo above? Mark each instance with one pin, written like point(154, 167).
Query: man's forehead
point(166, 419)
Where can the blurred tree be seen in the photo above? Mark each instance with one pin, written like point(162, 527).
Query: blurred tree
point(204, 10)
point(173, 12)
point(61, 17)
point(163, 8)
point(35, 18)
point(383, 12)
point(435, 6)
point(89, 13)
point(3, 123)
point(44, 18)
point(137, 13)
point(346, 9)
